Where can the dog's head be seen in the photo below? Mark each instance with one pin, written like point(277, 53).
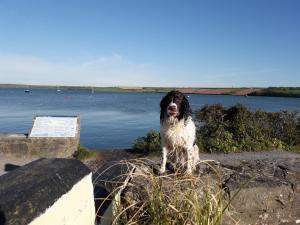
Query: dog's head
point(176, 105)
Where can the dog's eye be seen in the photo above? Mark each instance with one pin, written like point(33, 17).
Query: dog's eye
point(176, 99)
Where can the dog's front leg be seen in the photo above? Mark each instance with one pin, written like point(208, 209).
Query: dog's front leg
point(190, 160)
point(196, 157)
point(164, 160)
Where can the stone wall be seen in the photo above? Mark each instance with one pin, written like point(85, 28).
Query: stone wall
point(48, 191)
point(22, 145)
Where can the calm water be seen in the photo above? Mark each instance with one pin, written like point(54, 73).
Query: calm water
point(110, 120)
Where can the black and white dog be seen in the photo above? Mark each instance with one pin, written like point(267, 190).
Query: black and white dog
point(178, 132)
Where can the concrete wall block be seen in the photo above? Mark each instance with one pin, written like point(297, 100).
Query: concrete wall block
point(43, 147)
point(14, 146)
point(47, 191)
point(76, 207)
point(21, 145)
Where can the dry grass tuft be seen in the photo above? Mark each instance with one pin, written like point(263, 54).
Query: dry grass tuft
point(177, 198)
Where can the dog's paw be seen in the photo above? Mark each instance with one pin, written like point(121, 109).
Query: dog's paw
point(189, 171)
point(162, 170)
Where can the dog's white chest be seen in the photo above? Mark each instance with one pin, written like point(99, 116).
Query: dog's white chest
point(174, 135)
point(178, 134)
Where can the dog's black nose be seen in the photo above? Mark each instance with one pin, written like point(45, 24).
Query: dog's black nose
point(172, 108)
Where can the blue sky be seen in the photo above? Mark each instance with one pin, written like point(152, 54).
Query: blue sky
point(209, 43)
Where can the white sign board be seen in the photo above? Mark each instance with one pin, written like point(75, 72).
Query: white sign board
point(50, 126)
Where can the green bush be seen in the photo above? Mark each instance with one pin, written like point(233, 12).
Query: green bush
point(234, 129)
point(148, 144)
point(83, 153)
point(237, 128)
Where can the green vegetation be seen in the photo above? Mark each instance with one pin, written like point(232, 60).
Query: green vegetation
point(133, 89)
point(83, 153)
point(90, 88)
point(148, 144)
point(236, 129)
point(239, 129)
point(278, 92)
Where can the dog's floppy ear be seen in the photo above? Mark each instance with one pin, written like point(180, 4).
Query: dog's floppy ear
point(185, 109)
point(163, 107)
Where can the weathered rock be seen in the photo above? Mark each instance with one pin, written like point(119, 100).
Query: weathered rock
point(262, 188)
point(107, 180)
point(264, 191)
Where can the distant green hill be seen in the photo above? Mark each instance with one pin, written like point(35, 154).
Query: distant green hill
point(270, 91)
point(99, 89)
point(278, 92)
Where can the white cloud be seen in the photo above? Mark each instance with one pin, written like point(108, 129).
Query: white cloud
point(115, 70)
point(110, 70)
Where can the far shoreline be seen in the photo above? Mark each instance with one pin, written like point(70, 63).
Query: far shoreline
point(293, 92)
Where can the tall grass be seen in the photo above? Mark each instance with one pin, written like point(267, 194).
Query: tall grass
point(170, 199)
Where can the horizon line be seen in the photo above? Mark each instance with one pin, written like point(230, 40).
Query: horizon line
point(128, 87)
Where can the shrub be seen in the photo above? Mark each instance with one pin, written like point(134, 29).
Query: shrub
point(83, 153)
point(148, 144)
point(237, 128)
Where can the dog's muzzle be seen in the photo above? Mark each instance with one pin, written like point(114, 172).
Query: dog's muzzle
point(172, 109)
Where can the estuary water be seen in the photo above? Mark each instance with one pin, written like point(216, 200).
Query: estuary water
point(110, 120)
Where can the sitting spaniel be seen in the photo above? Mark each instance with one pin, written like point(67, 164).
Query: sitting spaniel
point(178, 132)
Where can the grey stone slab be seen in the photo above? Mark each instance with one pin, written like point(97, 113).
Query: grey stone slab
point(28, 191)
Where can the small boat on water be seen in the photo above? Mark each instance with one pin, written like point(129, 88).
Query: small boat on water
point(27, 91)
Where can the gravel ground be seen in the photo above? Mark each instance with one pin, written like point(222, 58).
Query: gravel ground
point(8, 163)
point(231, 158)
